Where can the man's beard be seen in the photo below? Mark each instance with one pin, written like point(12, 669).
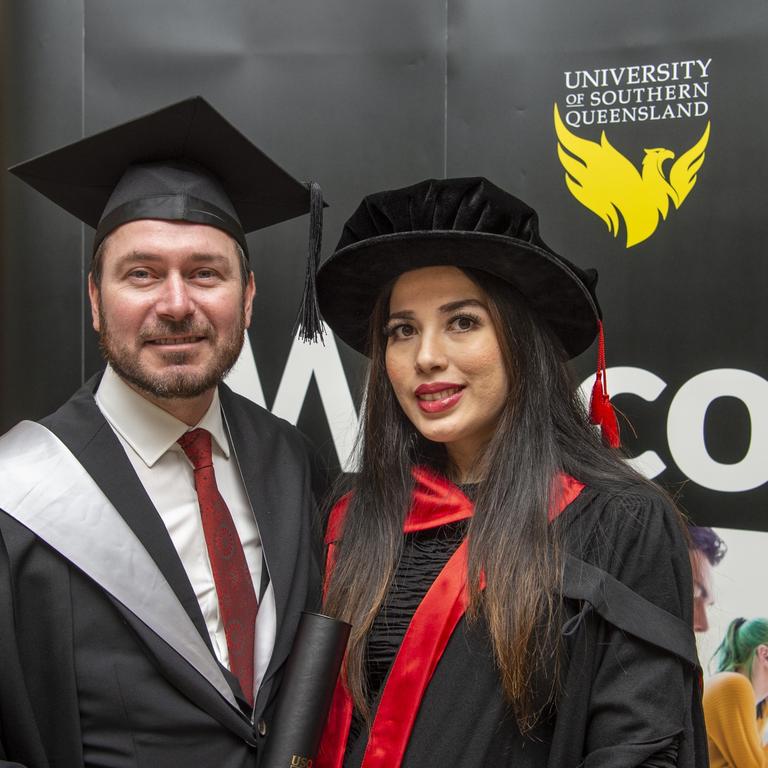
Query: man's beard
point(169, 384)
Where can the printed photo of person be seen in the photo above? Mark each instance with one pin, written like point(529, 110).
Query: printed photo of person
point(732, 640)
point(734, 697)
point(706, 549)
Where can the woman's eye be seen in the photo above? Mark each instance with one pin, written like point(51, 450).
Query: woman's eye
point(464, 322)
point(401, 331)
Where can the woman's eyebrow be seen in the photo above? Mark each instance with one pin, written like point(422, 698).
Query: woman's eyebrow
point(404, 314)
point(452, 306)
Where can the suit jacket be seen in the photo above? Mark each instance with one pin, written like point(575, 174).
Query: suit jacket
point(86, 677)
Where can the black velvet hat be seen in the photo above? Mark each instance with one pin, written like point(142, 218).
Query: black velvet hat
point(182, 163)
point(459, 222)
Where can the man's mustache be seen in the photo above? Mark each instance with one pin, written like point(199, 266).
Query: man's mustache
point(186, 327)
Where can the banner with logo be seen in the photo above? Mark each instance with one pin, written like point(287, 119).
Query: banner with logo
point(636, 132)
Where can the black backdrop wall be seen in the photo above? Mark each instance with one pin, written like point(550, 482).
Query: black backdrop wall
point(366, 95)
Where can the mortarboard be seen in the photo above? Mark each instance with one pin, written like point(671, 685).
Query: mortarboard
point(185, 162)
point(182, 163)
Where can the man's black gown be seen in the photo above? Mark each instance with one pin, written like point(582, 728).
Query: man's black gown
point(83, 680)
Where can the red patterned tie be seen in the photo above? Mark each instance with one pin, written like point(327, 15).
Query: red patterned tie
point(237, 599)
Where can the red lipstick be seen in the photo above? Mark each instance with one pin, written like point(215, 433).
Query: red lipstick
point(436, 386)
point(438, 396)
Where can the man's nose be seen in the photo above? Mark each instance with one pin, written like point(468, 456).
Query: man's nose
point(175, 300)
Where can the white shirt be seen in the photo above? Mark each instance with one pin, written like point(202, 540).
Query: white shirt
point(149, 434)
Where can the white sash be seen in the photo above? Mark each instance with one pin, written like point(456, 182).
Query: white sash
point(45, 488)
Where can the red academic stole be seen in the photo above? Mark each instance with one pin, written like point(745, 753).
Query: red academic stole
point(436, 501)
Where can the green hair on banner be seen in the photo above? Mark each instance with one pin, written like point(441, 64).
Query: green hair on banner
point(737, 651)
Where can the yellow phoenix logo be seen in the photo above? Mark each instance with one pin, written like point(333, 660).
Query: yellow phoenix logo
point(606, 183)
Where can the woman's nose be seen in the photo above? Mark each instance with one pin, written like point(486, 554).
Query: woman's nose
point(430, 355)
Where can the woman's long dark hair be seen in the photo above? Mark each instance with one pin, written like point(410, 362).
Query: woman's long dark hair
point(542, 431)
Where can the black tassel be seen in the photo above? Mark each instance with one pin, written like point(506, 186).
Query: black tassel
point(309, 322)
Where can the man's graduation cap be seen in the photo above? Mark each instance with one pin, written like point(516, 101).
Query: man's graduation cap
point(182, 163)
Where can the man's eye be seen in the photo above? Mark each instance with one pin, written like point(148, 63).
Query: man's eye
point(205, 274)
point(139, 274)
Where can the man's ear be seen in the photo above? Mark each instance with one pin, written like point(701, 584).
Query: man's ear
point(93, 295)
point(248, 295)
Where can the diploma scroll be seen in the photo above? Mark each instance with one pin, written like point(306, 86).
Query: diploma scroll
point(306, 691)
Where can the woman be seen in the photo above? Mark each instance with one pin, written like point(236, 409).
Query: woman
point(734, 697)
point(518, 595)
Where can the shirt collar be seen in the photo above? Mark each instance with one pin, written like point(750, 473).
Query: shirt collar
point(148, 429)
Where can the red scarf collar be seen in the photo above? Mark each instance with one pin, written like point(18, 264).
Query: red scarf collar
point(435, 501)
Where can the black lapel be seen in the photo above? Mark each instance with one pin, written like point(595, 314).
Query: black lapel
point(270, 477)
point(80, 425)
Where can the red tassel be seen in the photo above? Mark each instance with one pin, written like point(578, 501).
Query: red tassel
point(601, 410)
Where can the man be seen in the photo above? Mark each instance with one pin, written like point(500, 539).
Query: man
point(705, 549)
point(155, 547)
